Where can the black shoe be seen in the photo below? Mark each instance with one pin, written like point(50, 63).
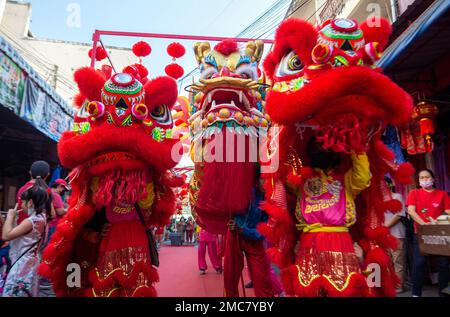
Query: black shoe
point(202, 272)
point(219, 271)
point(249, 284)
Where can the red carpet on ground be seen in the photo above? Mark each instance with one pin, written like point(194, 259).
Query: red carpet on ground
point(179, 275)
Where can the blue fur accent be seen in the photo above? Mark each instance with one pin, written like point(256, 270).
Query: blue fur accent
point(254, 215)
point(243, 60)
point(211, 61)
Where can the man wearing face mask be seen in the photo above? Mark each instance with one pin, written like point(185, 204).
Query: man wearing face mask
point(425, 205)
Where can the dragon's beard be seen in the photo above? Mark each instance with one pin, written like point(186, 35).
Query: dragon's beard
point(126, 187)
point(226, 184)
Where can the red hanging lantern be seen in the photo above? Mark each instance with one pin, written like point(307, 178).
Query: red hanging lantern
point(424, 113)
point(174, 70)
point(142, 49)
point(176, 50)
point(143, 71)
point(100, 53)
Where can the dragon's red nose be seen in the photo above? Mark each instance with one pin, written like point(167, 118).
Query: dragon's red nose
point(225, 71)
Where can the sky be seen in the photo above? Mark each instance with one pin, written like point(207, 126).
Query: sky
point(76, 21)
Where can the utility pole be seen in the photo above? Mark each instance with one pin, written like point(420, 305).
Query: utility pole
point(55, 76)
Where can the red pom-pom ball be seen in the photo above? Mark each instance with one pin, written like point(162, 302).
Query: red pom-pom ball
point(176, 50)
point(142, 49)
point(174, 70)
point(227, 47)
point(100, 55)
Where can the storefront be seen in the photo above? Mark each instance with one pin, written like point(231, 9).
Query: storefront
point(32, 118)
point(419, 61)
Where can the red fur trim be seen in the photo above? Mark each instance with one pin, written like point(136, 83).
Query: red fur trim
point(264, 229)
point(160, 91)
point(405, 174)
point(67, 229)
point(44, 270)
point(292, 34)
point(378, 30)
point(381, 236)
point(58, 253)
point(49, 252)
point(227, 47)
point(383, 151)
point(278, 214)
point(176, 50)
point(389, 280)
point(294, 180)
point(78, 101)
point(171, 180)
point(275, 256)
point(163, 208)
point(287, 281)
point(270, 64)
point(393, 205)
point(147, 150)
point(90, 82)
point(306, 172)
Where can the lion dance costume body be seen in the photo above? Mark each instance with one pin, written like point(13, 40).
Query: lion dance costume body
point(120, 154)
point(325, 85)
point(227, 117)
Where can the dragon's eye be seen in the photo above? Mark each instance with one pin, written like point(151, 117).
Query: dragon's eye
point(162, 115)
point(247, 71)
point(208, 73)
point(291, 64)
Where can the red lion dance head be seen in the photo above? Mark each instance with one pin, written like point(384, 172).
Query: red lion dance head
point(120, 154)
point(326, 85)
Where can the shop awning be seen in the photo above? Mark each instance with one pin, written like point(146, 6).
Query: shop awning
point(26, 94)
point(421, 44)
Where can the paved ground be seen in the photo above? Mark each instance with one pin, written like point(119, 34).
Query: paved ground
point(179, 275)
point(428, 291)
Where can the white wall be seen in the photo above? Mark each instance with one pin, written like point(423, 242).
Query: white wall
point(2, 9)
point(17, 17)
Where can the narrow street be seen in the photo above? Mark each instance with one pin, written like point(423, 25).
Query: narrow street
point(179, 275)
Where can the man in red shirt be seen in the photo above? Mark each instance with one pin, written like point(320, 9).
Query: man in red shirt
point(425, 205)
point(58, 188)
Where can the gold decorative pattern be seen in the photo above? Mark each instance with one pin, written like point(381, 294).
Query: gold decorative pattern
point(336, 267)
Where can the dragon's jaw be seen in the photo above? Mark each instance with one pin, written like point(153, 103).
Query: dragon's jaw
point(228, 107)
